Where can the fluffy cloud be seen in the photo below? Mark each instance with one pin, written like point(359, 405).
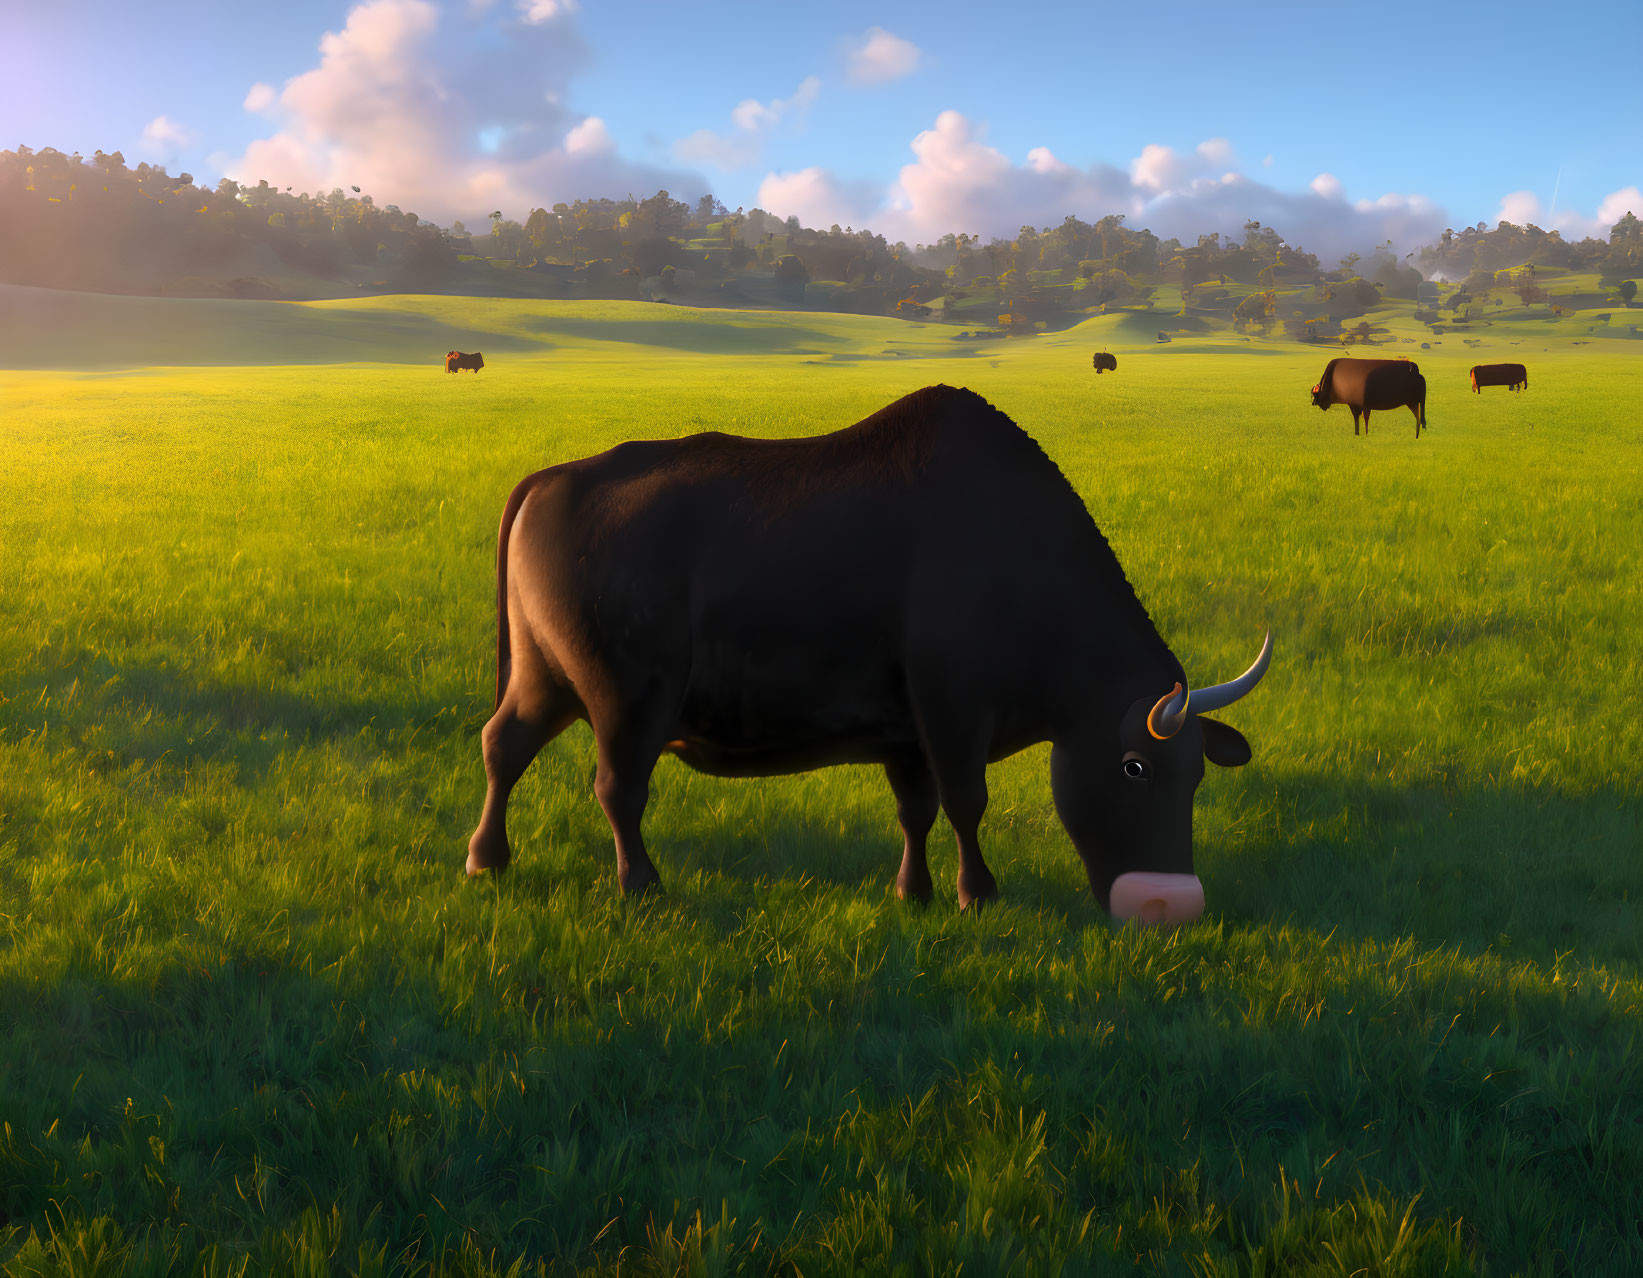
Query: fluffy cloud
point(164, 137)
point(826, 201)
point(1523, 207)
point(753, 121)
point(537, 12)
point(450, 114)
point(260, 97)
point(879, 57)
point(959, 183)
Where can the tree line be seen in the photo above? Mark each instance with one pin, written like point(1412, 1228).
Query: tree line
point(99, 224)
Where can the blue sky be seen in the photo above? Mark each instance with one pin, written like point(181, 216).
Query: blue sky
point(1340, 126)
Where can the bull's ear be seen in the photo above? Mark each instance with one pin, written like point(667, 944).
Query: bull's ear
point(1223, 745)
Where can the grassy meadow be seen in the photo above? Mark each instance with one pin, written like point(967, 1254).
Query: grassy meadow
point(253, 1020)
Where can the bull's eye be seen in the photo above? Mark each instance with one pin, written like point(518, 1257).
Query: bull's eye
point(1135, 768)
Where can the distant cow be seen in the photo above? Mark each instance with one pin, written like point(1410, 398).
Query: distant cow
point(1367, 384)
point(1512, 376)
point(456, 361)
point(1105, 363)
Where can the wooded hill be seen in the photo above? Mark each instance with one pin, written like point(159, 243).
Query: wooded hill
point(100, 225)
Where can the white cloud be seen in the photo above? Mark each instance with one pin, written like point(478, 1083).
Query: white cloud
point(958, 183)
point(449, 115)
point(537, 12)
point(165, 137)
point(259, 97)
point(1216, 152)
point(819, 198)
point(589, 138)
point(880, 57)
point(1157, 168)
point(753, 120)
point(1617, 204)
point(1523, 207)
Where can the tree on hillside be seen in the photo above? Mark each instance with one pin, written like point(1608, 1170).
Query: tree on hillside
point(1256, 311)
point(791, 277)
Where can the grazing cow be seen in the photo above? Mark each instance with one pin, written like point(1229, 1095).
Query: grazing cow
point(922, 590)
point(1364, 385)
point(456, 361)
point(1106, 363)
point(1512, 376)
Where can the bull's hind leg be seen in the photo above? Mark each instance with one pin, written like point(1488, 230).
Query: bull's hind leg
point(916, 807)
point(524, 723)
point(628, 751)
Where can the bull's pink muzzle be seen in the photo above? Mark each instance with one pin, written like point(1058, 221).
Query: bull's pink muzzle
point(1161, 899)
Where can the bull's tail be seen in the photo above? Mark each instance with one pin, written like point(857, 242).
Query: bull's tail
point(504, 649)
point(1525, 379)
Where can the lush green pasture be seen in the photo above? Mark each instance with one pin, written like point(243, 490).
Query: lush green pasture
point(253, 1020)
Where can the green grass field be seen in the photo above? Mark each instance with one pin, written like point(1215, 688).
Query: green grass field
point(254, 1021)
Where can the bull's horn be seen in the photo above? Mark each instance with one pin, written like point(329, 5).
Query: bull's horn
point(1165, 718)
point(1224, 694)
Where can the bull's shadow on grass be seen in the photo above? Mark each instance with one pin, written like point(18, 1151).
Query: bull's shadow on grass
point(126, 712)
point(1527, 875)
point(1530, 874)
point(563, 1095)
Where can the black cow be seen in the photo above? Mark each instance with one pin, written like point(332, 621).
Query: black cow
point(1512, 376)
point(922, 590)
point(1365, 385)
point(456, 361)
point(1105, 363)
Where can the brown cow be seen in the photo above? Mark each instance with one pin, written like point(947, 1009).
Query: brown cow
point(1105, 363)
point(1511, 376)
point(1367, 384)
point(456, 361)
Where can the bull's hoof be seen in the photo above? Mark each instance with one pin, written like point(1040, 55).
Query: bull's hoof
point(484, 855)
point(912, 887)
point(641, 881)
point(976, 890)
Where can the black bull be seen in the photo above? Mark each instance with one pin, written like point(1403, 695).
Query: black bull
point(922, 590)
point(1105, 363)
point(1512, 376)
point(456, 361)
point(1369, 385)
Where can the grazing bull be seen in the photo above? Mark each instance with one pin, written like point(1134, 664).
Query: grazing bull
point(922, 590)
point(456, 361)
point(1105, 363)
point(1366, 385)
point(1512, 376)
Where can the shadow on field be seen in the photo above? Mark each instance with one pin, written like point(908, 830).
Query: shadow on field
point(557, 1099)
point(1530, 874)
point(711, 337)
point(47, 329)
point(139, 713)
point(1527, 875)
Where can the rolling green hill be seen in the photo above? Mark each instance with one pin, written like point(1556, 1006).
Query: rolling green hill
point(256, 1022)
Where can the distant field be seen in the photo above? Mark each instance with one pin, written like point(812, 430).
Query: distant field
point(255, 1022)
